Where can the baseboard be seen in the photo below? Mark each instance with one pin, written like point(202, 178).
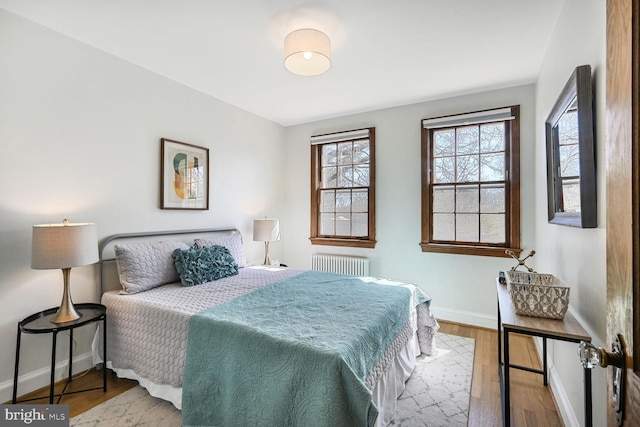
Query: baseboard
point(565, 409)
point(39, 378)
point(465, 317)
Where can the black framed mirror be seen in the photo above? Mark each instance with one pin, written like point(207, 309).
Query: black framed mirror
point(571, 167)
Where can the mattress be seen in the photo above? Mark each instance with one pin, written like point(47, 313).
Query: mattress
point(147, 334)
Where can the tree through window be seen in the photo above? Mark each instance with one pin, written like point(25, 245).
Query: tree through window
point(342, 188)
point(471, 183)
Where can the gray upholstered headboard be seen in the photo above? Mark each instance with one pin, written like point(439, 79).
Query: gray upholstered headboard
point(109, 273)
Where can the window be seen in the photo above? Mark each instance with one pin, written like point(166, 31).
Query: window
point(343, 189)
point(471, 183)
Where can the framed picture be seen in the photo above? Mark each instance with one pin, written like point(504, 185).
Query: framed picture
point(184, 180)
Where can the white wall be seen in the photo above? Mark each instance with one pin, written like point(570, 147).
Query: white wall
point(576, 255)
point(80, 139)
point(462, 287)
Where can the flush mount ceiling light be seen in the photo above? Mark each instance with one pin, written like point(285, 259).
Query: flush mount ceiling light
point(307, 52)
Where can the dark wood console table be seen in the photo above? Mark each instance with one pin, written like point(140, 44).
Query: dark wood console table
point(567, 329)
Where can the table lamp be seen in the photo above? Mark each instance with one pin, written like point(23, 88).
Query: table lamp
point(63, 246)
point(266, 230)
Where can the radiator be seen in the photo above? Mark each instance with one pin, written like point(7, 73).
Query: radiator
point(343, 264)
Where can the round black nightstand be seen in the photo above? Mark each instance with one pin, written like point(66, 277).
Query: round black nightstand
point(40, 323)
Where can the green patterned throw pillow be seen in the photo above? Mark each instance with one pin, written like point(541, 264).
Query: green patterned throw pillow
point(200, 265)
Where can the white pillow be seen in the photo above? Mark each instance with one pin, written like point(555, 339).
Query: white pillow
point(233, 242)
point(144, 266)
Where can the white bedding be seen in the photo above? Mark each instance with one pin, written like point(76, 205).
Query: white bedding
point(147, 332)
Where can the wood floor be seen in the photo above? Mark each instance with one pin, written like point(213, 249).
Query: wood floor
point(80, 402)
point(531, 402)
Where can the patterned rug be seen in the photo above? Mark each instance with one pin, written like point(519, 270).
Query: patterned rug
point(437, 394)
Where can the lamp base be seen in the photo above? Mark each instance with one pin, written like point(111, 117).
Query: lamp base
point(267, 261)
point(64, 316)
point(67, 312)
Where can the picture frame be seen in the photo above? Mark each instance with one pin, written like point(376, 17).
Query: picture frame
point(184, 175)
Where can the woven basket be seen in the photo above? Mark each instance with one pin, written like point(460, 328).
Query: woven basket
point(538, 295)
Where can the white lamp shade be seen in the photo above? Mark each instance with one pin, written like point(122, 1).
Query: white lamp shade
point(64, 245)
point(307, 52)
point(266, 230)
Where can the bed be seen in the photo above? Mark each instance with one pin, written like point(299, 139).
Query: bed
point(260, 345)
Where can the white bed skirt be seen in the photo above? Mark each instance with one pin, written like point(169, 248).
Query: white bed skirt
point(389, 387)
point(391, 383)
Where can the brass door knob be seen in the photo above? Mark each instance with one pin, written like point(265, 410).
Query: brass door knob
point(592, 356)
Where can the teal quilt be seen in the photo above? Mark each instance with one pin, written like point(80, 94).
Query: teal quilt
point(294, 353)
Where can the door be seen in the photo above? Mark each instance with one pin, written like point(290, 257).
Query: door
point(623, 197)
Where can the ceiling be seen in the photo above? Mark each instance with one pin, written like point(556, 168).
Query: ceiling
point(384, 53)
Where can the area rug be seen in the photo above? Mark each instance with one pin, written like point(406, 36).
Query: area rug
point(437, 394)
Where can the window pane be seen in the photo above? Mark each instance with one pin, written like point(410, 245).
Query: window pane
point(467, 228)
point(492, 199)
point(467, 168)
point(492, 137)
point(360, 201)
point(569, 160)
point(568, 128)
point(467, 140)
point(467, 198)
point(345, 176)
point(443, 227)
point(492, 168)
point(571, 195)
point(361, 176)
point(329, 177)
point(343, 201)
point(444, 170)
point(360, 226)
point(327, 224)
point(361, 151)
point(345, 153)
point(329, 155)
point(444, 199)
point(327, 201)
point(444, 143)
point(492, 228)
point(343, 224)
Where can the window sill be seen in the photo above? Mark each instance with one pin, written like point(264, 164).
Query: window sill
point(328, 241)
point(469, 250)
